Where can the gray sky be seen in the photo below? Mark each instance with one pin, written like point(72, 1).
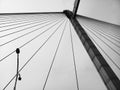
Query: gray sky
point(106, 10)
point(62, 76)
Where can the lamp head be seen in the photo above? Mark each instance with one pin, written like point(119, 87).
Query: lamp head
point(19, 77)
point(17, 50)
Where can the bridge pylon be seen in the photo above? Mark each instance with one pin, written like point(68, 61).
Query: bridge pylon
point(107, 74)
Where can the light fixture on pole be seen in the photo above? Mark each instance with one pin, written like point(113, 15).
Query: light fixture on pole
point(18, 76)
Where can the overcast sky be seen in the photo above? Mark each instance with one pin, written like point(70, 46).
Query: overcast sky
point(106, 10)
point(62, 76)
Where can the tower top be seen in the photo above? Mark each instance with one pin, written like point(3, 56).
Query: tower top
point(75, 8)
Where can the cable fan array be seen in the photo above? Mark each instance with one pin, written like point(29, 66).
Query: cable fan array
point(10, 24)
point(106, 38)
point(23, 31)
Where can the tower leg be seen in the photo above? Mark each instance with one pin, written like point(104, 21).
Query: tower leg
point(108, 76)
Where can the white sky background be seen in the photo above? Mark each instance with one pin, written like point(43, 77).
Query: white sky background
point(87, 8)
point(62, 76)
point(106, 10)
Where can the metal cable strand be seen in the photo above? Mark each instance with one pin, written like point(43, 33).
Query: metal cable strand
point(101, 34)
point(30, 18)
point(26, 34)
point(23, 25)
point(74, 61)
point(33, 55)
point(51, 65)
point(29, 41)
point(23, 18)
point(19, 20)
point(40, 34)
point(105, 53)
point(102, 40)
point(108, 34)
point(15, 24)
point(7, 21)
point(114, 35)
point(26, 28)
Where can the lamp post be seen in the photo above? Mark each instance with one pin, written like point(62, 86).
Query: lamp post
point(18, 76)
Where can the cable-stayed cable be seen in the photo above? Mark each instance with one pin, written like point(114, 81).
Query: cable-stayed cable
point(21, 25)
point(104, 52)
point(101, 34)
point(118, 34)
point(33, 55)
point(43, 22)
point(19, 20)
point(51, 65)
point(30, 40)
point(23, 18)
point(26, 34)
point(101, 40)
point(15, 24)
point(75, 67)
point(108, 34)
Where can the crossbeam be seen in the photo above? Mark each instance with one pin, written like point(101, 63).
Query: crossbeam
point(28, 13)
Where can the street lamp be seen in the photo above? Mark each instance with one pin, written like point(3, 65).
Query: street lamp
point(18, 76)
